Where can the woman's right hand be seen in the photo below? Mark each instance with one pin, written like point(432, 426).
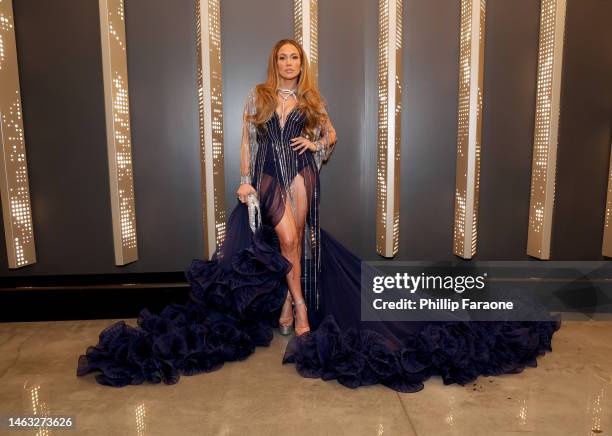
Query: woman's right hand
point(244, 190)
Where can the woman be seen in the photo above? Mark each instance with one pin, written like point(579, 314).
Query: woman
point(279, 164)
point(288, 260)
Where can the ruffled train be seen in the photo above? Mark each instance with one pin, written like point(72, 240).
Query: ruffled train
point(234, 305)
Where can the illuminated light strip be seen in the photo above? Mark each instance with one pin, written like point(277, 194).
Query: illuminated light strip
point(389, 122)
point(607, 236)
point(118, 134)
point(306, 30)
point(14, 184)
point(546, 131)
point(208, 41)
point(469, 126)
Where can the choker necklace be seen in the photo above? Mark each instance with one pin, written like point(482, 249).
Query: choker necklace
point(286, 91)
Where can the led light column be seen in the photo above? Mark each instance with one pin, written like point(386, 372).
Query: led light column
point(14, 185)
point(118, 135)
point(306, 25)
point(389, 122)
point(607, 238)
point(469, 125)
point(208, 38)
point(546, 131)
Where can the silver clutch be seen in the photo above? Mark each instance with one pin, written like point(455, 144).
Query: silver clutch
point(254, 212)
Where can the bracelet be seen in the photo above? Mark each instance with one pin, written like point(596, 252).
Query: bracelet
point(319, 146)
point(245, 180)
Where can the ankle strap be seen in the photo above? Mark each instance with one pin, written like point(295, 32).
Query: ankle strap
point(295, 303)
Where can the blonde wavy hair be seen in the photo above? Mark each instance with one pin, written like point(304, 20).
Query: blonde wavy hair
point(309, 98)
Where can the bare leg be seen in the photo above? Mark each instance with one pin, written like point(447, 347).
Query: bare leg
point(289, 244)
point(298, 191)
point(290, 231)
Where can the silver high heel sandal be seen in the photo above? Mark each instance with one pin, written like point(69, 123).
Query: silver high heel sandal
point(299, 331)
point(285, 325)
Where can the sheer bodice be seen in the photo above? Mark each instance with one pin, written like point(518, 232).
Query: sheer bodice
point(324, 134)
point(278, 166)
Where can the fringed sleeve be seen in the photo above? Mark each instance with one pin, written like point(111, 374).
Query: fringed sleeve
point(248, 150)
point(325, 139)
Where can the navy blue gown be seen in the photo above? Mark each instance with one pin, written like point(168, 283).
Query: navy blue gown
point(236, 298)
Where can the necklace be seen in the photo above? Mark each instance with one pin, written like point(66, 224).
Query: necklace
point(285, 93)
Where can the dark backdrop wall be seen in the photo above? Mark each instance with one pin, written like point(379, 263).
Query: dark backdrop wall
point(585, 133)
point(63, 104)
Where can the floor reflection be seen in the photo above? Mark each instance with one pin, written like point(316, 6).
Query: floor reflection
point(567, 394)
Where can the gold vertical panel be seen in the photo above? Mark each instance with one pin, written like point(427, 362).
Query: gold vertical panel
point(546, 131)
point(118, 135)
point(469, 126)
point(208, 41)
point(607, 237)
point(389, 122)
point(14, 185)
point(306, 30)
